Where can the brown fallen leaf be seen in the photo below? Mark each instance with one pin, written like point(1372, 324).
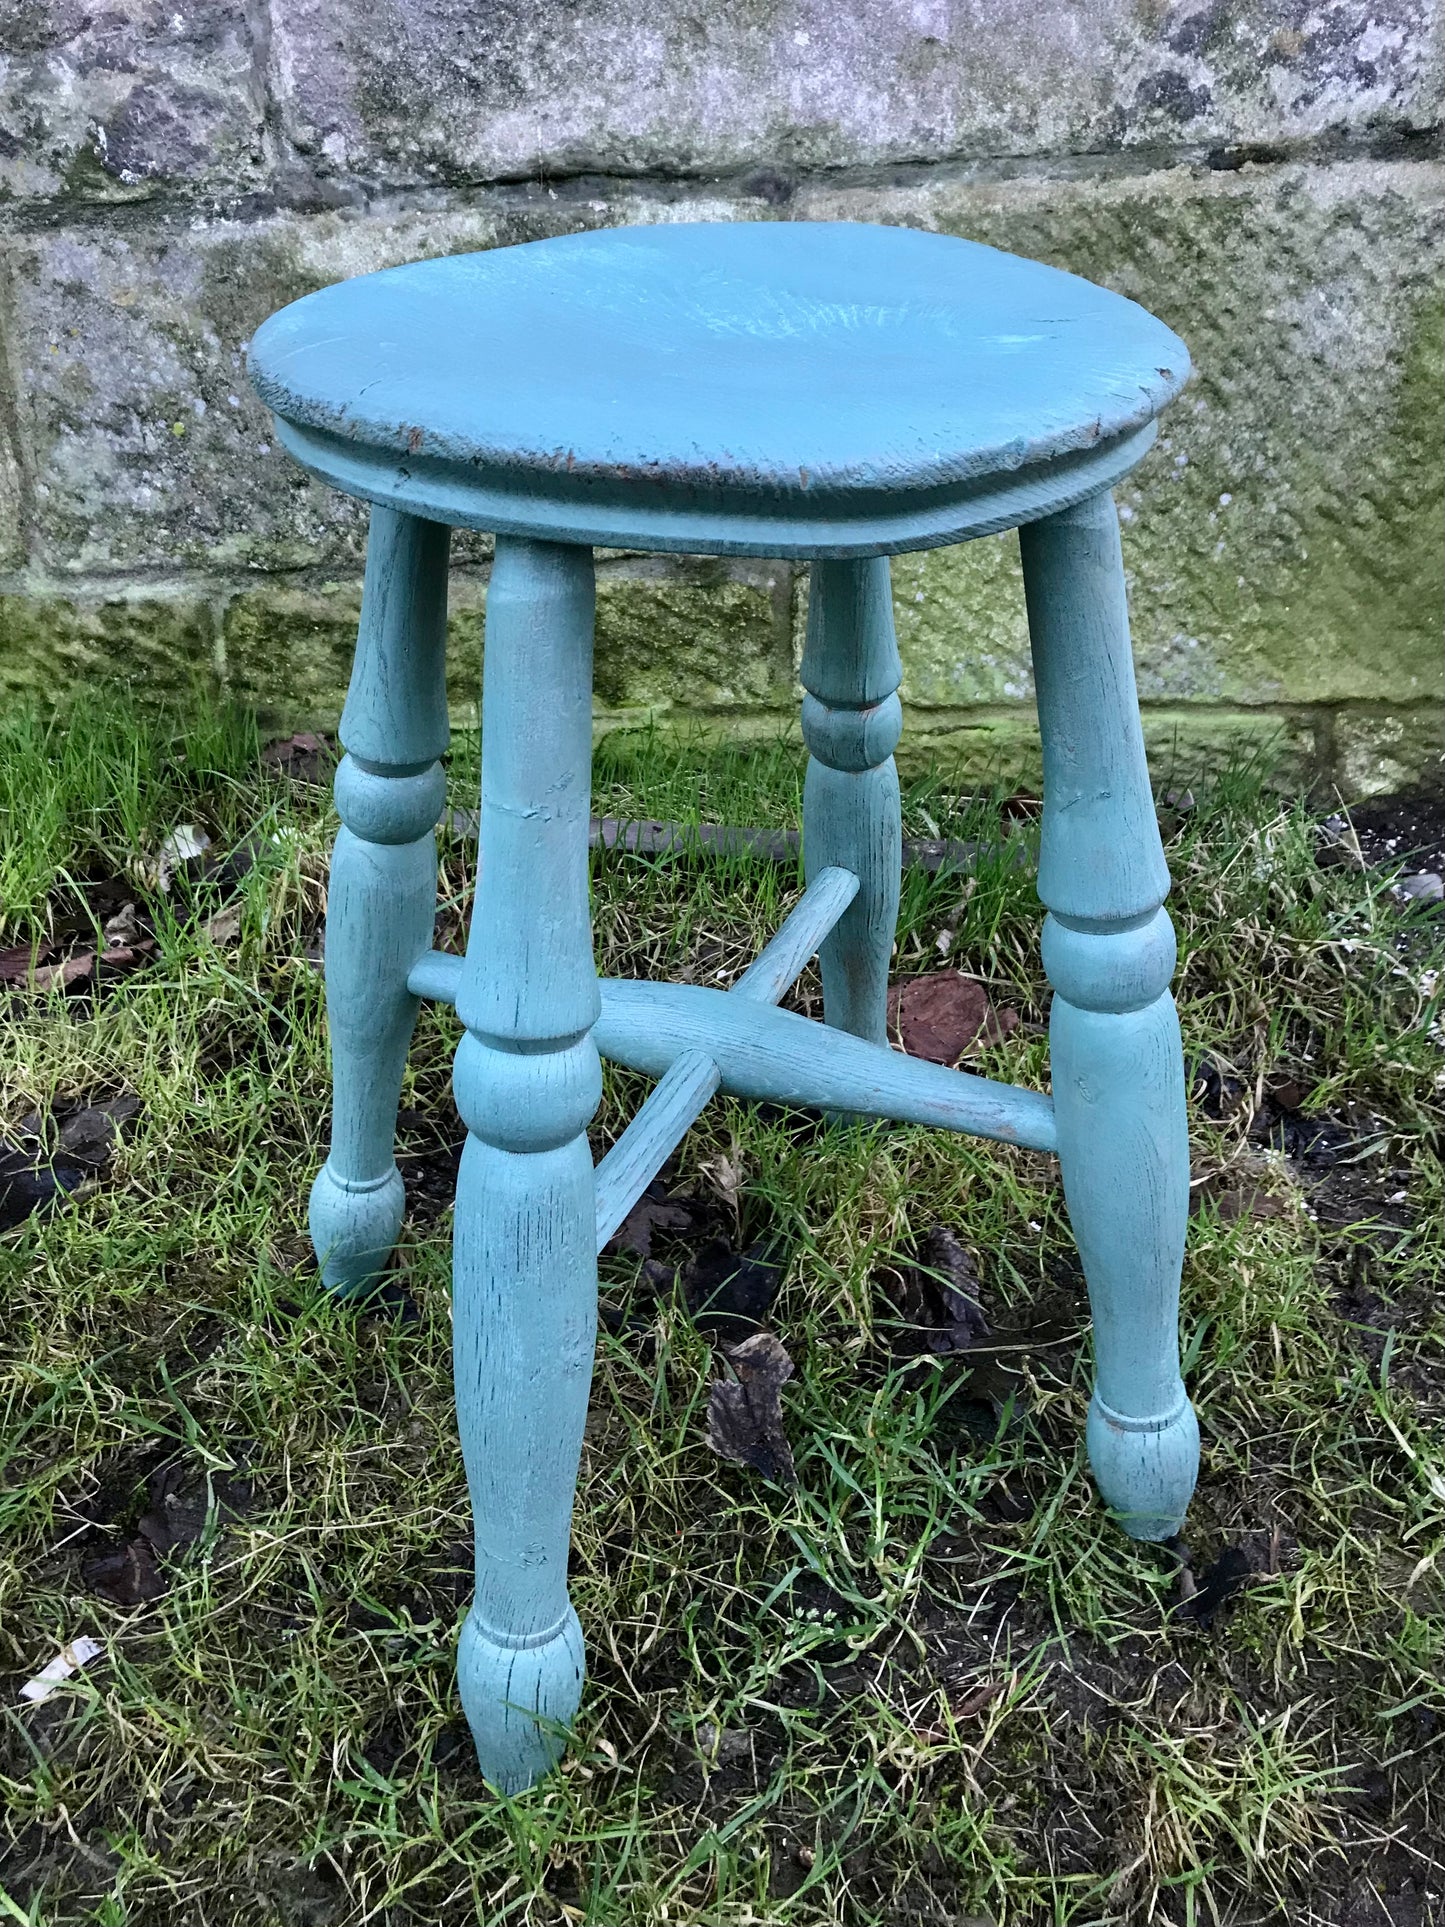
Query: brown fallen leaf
point(1286, 1091)
point(57, 1157)
point(70, 970)
point(939, 1015)
point(17, 962)
point(128, 1576)
point(303, 757)
point(122, 930)
point(224, 927)
point(125, 956)
point(745, 1412)
point(88, 1134)
point(725, 1174)
point(936, 1298)
point(1201, 1600)
point(730, 1293)
point(183, 1500)
point(1242, 1201)
point(653, 1211)
point(978, 1700)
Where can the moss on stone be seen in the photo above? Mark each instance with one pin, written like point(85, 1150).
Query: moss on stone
point(1184, 745)
point(162, 647)
point(1375, 752)
point(288, 651)
point(1284, 540)
point(710, 642)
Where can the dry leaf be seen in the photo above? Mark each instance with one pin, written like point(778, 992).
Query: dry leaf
point(186, 843)
point(730, 1293)
point(653, 1211)
point(122, 930)
point(725, 1174)
point(745, 1413)
point(225, 926)
point(937, 1298)
point(303, 757)
point(127, 1577)
point(939, 1015)
point(70, 970)
point(17, 963)
point(1200, 1602)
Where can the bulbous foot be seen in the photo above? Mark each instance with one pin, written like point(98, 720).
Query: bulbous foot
point(353, 1228)
point(520, 1699)
point(1145, 1469)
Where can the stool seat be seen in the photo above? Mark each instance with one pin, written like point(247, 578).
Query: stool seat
point(772, 388)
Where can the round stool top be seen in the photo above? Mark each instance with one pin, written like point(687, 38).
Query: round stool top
point(765, 388)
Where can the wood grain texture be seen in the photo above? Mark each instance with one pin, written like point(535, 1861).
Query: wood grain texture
point(776, 1056)
point(1118, 1071)
point(382, 894)
point(690, 1080)
point(852, 720)
point(779, 1057)
point(527, 1080)
point(667, 1114)
point(772, 387)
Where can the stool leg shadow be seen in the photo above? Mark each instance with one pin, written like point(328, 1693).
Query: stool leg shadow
point(851, 723)
point(528, 1079)
point(1118, 1073)
point(381, 898)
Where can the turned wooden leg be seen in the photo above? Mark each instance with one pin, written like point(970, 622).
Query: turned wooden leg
point(1118, 1071)
point(382, 896)
point(851, 723)
point(528, 1078)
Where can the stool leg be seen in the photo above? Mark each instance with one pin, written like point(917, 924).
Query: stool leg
point(1118, 1071)
point(528, 1078)
point(382, 894)
point(851, 723)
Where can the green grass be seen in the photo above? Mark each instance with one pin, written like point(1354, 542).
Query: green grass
point(933, 1683)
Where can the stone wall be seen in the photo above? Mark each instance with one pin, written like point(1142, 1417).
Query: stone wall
point(1263, 174)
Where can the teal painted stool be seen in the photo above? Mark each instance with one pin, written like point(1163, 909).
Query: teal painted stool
point(834, 392)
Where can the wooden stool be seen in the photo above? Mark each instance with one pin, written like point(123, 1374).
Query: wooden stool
point(834, 392)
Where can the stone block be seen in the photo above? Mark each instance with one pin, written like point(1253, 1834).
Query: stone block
point(986, 746)
point(147, 446)
point(1285, 542)
point(706, 637)
point(12, 520)
point(288, 650)
point(690, 640)
point(1377, 752)
point(407, 90)
point(1286, 539)
point(114, 102)
point(161, 646)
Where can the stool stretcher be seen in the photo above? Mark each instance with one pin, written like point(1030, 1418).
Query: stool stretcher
point(778, 1057)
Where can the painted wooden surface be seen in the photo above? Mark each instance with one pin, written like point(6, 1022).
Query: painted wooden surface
point(382, 894)
point(779, 1057)
point(770, 387)
point(669, 1111)
point(852, 720)
point(528, 1078)
point(778, 965)
point(692, 1078)
point(1118, 1071)
point(829, 391)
